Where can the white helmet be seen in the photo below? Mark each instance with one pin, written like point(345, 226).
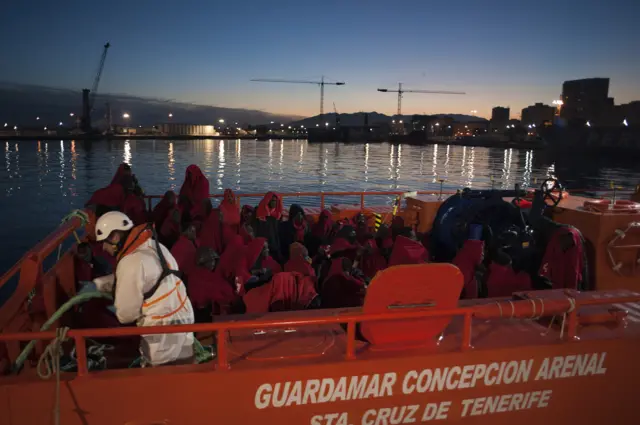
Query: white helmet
point(113, 220)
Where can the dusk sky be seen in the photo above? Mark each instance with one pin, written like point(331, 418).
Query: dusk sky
point(509, 53)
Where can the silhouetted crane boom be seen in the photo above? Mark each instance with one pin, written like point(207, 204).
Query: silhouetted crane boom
point(321, 83)
point(96, 81)
point(400, 91)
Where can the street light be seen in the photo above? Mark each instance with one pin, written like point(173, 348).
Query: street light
point(588, 124)
point(393, 121)
point(60, 123)
point(126, 116)
point(625, 123)
point(71, 114)
point(437, 124)
point(473, 111)
point(271, 122)
point(15, 127)
point(221, 121)
point(281, 125)
point(400, 121)
point(170, 115)
point(37, 118)
point(45, 128)
point(6, 124)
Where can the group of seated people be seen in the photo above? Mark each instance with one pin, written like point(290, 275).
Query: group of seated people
point(241, 259)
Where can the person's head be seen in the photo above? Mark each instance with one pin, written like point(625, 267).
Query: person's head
point(297, 250)
point(170, 197)
point(206, 257)
point(296, 213)
point(347, 266)
point(189, 231)
point(247, 213)
point(324, 216)
point(407, 232)
point(273, 202)
point(228, 196)
point(83, 252)
point(348, 233)
point(126, 169)
point(112, 230)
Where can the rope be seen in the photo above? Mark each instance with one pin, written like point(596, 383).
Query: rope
point(564, 316)
point(50, 359)
point(84, 220)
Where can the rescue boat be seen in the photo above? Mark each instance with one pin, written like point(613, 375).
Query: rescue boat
point(413, 353)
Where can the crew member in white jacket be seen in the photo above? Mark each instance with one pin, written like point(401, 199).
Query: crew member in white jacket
point(148, 288)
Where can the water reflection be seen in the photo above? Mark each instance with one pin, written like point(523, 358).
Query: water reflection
point(34, 178)
point(221, 164)
point(126, 156)
point(171, 166)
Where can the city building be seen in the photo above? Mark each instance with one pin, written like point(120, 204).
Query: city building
point(539, 114)
point(499, 118)
point(177, 129)
point(587, 100)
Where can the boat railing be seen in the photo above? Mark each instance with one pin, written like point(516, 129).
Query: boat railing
point(568, 307)
point(321, 196)
point(29, 270)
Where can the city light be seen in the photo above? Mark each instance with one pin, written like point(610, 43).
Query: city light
point(126, 116)
point(71, 114)
point(302, 126)
point(281, 125)
point(473, 111)
point(6, 124)
point(45, 128)
point(271, 122)
point(170, 115)
point(317, 125)
point(625, 123)
point(37, 118)
point(558, 102)
point(529, 125)
point(15, 127)
point(393, 121)
point(289, 127)
point(326, 124)
point(400, 121)
point(60, 123)
point(588, 124)
point(533, 125)
point(221, 121)
point(437, 124)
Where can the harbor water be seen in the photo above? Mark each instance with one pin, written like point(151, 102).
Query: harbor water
point(42, 181)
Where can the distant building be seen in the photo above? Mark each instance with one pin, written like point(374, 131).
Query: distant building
point(177, 129)
point(499, 118)
point(586, 100)
point(539, 114)
point(470, 128)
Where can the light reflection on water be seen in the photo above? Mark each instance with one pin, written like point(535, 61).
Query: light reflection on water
point(42, 181)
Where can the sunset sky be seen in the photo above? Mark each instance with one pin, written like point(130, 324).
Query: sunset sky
point(509, 53)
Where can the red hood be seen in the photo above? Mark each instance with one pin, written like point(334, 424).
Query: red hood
point(229, 209)
point(264, 211)
point(195, 186)
point(294, 290)
point(407, 251)
point(467, 259)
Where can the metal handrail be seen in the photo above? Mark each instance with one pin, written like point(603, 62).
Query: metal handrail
point(351, 319)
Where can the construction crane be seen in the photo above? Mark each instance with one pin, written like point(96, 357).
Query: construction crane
point(89, 96)
point(321, 83)
point(400, 91)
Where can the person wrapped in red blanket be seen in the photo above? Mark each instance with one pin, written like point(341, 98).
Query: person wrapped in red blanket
point(407, 250)
point(295, 229)
point(563, 260)
point(246, 223)
point(468, 260)
point(184, 250)
point(193, 191)
point(208, 291)
point(287, 291)
point(230, 216)
point(341, 288)
point(267, 224)
point(164, 207)
point(502, 280)
point(299, 260)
